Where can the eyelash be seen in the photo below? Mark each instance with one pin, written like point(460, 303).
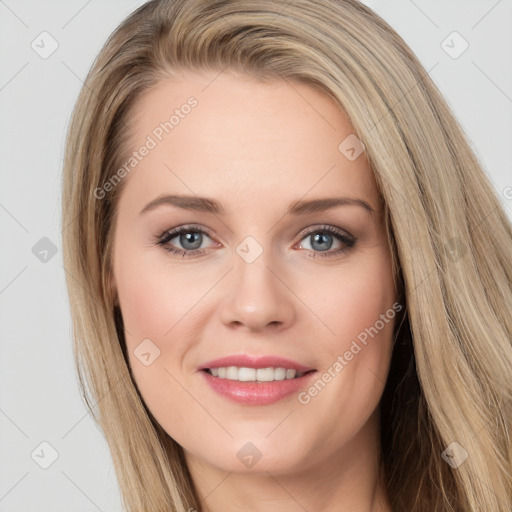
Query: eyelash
point(164, 239)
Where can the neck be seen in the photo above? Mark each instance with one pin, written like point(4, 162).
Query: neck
point(348, 480)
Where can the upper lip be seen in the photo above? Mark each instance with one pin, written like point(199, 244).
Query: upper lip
point(249, 361)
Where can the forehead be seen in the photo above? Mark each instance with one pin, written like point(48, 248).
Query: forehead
point(216, 134)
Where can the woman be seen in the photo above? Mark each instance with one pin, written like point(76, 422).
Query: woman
point(292, 145)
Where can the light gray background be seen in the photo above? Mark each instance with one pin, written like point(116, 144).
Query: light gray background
point(39, 399)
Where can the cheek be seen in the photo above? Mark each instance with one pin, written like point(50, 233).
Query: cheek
point(353, 299)
point(154, 299)
point(360, 309)
point(162, 305)
point(154, 305)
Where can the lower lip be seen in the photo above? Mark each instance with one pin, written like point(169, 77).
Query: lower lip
point(256, 393)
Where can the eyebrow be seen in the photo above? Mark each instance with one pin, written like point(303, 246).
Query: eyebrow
point(204, 204)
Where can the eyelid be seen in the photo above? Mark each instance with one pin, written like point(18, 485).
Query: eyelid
point(326, 227)
point(183, 227)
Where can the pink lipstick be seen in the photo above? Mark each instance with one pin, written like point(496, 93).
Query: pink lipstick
point(255, 380)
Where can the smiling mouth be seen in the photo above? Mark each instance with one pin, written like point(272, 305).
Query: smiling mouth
point(244, 374)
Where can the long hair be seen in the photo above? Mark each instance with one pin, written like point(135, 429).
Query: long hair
point(448, 394)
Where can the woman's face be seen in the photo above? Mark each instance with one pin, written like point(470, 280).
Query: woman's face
point(271, 270)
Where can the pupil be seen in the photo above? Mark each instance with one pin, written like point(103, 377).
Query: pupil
point(191, 237)
point(322, 237)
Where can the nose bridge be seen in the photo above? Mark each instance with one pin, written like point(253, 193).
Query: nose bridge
point(252, 267)
point(257, 297)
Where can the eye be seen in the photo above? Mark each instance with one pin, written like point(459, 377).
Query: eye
point(320, 239)
point(191, 239)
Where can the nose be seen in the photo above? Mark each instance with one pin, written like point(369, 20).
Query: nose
point(258, 297)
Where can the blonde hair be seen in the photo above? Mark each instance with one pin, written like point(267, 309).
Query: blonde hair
point(451, 373)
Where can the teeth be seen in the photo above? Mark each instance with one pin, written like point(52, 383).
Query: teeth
point(246, 374)
point(290, 374)
point(254, 374)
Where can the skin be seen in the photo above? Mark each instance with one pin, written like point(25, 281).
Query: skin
point(257, 147)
